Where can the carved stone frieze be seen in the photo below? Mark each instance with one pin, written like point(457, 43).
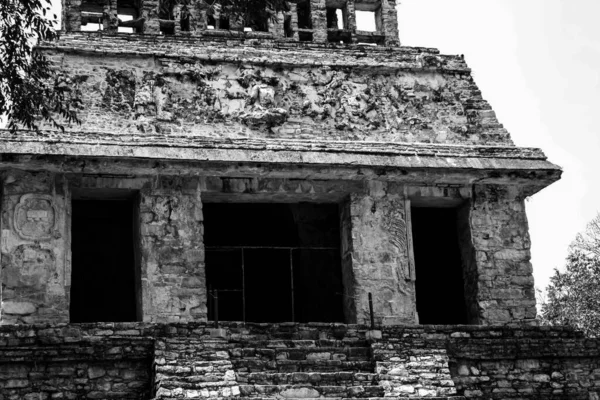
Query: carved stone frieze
point(35, 217)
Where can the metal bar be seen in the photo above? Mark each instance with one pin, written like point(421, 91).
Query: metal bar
point(216, 297)
point(292, 283)
point(209, 300)
point(371, 311)
point(269, 247)
point(243, 288)
point(411, 275)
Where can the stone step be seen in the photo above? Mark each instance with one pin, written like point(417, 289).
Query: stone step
point(369, 398)
point(184, 388)
point(253, 365)
point(314, 378)
point(303, 391)
point(281, 343)
point(304, 353)
point(303, 332)
point(314, 398)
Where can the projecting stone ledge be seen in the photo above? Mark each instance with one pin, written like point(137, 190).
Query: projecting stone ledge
point(259, 51)
point(449, 164)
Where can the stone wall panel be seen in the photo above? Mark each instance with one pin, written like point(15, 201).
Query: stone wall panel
point(247, 97)
point(379, 257)
point(35, 269)
point(500, 240)
point(172, 253)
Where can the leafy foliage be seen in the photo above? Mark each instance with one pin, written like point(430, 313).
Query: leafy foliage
point(29, 88)
point(573, 296)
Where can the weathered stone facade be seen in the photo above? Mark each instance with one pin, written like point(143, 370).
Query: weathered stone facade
point(197, 87)
point(169, 361)
point(375, 252)
point(35, 248)
point(172, 253)
point(344, 150)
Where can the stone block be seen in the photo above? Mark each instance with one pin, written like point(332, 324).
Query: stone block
point(18, 307)
point(220, 333)
point(373, 335)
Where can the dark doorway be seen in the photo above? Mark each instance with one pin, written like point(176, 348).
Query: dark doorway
point(274, 262)
point(438, 266)
point(103, 264)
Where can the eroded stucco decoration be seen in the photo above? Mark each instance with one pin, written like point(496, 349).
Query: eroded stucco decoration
point(35, 217)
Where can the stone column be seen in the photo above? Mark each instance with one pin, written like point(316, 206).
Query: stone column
point(375, 257)
point(173, 274)
point(110, 19)
point(177, 14)
point(350, 16)
point(294, 14)
point(72, 15)
point(389, 22)
point(197, 18)
point(35, 249)
point(276, 28)
point(318, 15)
point(502, 282)
point(149, 10)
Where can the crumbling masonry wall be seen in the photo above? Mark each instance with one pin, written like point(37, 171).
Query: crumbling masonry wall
point(375, 257)
point(500, 238)
point(172, 253)
point(35, 248)
point(198, 88)
point(375, 244)
point(99, 361)
point(308, 22)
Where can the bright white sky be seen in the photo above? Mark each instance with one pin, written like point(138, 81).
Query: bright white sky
point(538, 63)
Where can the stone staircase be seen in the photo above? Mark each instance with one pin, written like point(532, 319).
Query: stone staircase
point(300, 368)
point(303, 364)
point(193, 369)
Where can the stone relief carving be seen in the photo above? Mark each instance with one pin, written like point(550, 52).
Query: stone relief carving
point(35, 217)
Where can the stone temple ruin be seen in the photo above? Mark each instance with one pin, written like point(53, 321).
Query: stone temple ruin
point(274, 174)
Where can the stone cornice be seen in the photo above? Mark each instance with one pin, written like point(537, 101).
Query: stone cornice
point(427, 163)
point(258, 51)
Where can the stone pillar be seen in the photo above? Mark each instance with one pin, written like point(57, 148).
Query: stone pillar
point(149, 10)
point(389, 22)
point(72, 15)
point(318, 15)
point(172, 252)
point(350, 16)
point(375, 257)
point(276, 28)
point(197, 18)
point(110, 19)
point(503, 277)
point(177, 14)
point(294, 14)
point(35, 250)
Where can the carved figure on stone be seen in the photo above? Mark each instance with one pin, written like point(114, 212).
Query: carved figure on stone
point(27, 266)
point(263, 111)
point(35, 217)
point(153, 98)
point(120, 90)
point(263, 95)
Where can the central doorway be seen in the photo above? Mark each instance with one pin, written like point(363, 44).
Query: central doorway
point(103, 279)
point(439, 285)
point(273, 262)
